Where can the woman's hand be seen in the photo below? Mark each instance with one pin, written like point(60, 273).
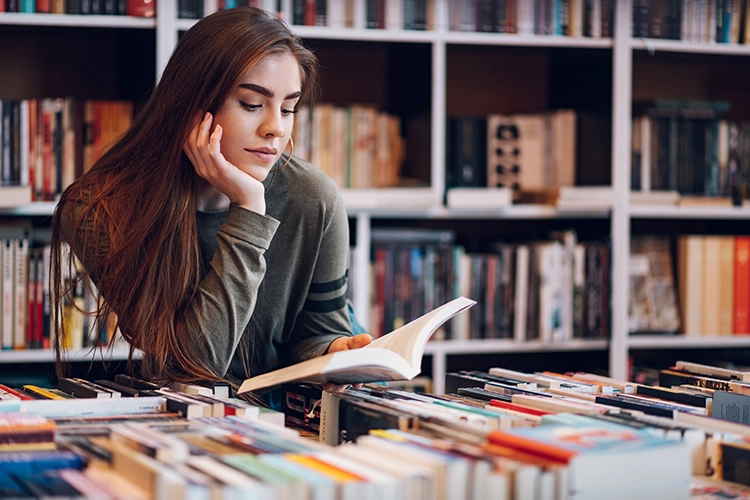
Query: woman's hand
point(345, 344)
point(203, 148)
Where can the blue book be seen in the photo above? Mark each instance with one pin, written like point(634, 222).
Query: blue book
point(10, 488)
point(28, 462)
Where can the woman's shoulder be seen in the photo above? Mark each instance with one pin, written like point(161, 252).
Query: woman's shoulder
point(302, 178)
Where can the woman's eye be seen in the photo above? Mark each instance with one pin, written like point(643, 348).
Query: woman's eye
point(287, 112)
point(249, 107)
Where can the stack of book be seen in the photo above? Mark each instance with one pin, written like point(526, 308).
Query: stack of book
point(561, 433)
point(496, 434)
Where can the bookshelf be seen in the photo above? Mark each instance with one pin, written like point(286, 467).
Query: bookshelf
point(441, 55)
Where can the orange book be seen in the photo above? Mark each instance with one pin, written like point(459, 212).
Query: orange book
point(532, 446)
point(337, 474)
point(742, 285)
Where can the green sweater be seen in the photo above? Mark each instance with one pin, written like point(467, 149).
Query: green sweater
point(278, 281)
point(274, 283)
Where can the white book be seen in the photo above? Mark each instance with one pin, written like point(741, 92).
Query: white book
point(479, 198)
point(394, 356)
point(89, 407)
point(13, 196)
point(6, 258)
point(20, 299)
point(645, 153)
point(210, 6)
point(462, 323)
point(522, 290)
point(525, 17)
point(335, 13)
point(394, 15)
point(25, 143)
point(389, 198)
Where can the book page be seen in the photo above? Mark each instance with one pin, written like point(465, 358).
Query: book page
point(410, 340)
point(342, 367)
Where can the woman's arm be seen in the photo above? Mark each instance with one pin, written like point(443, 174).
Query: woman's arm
point(217, 317)
point(325, 315)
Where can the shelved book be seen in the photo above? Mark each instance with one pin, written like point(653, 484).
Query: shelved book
point(714, 284)
point(395, 356)
point(549, 290)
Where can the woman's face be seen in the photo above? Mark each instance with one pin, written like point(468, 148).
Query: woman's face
point(258, 116)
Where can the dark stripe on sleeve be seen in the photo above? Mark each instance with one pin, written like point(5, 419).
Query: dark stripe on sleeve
point(324, 306)
point(330, 286)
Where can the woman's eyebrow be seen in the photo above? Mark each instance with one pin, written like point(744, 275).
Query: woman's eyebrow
point(267, 92)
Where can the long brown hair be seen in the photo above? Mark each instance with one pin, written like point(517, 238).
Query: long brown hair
point(133, 212)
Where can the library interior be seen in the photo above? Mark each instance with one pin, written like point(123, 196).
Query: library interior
point(546, 204)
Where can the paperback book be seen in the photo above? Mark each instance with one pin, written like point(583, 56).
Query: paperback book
point(395, 356)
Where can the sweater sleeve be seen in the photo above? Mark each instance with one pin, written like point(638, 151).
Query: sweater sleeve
point(325, 315)
point(216, 319)
point(217, 316)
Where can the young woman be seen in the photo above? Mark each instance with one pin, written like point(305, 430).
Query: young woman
point(221, 255)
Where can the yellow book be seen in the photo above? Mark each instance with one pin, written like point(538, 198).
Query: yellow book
point(41, 393)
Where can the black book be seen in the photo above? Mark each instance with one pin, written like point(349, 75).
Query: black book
point(123, 390)
point(483, 394)
point(467, 152)
point(135, 383)
point(688, 398)
point(357, 418)
point(649, 408)
point(301, 406)
point(459, 380)
point(80, 389)
point(734, 463)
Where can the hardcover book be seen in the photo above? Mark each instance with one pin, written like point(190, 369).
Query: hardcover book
point(395, 356)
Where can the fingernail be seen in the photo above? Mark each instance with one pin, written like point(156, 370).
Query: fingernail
point(207, 115)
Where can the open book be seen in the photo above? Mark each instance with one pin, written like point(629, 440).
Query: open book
point(395, 356)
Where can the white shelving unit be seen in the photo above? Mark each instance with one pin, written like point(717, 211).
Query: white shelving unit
point(622, 48)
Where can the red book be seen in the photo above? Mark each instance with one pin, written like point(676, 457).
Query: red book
point(519, 408)
point(141, 8)
point(533, 446)
point(742, 285)
point(21, 395)
point(39, 302)
point(42, 6)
